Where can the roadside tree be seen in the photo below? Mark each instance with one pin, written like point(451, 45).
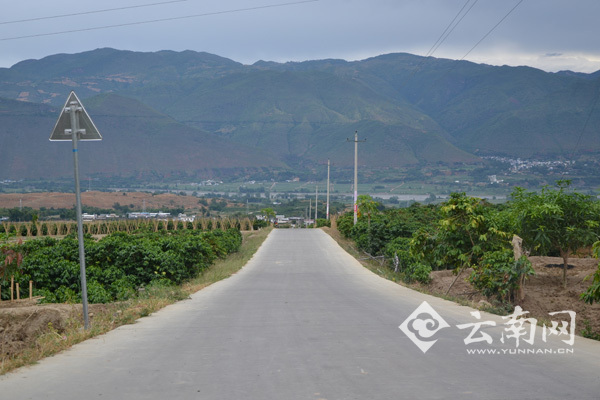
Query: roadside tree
point(555, 220)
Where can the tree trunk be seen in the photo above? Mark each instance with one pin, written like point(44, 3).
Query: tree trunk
point(565, 256)
point(454, 281)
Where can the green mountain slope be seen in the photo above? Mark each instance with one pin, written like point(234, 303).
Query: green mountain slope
point(300, 115)
point(50, 79)
point(137, 141)
point(520, 112)
point(213, 113)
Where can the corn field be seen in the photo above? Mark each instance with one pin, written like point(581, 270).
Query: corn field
point(103, 227)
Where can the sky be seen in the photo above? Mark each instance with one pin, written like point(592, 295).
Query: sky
point(551, 35)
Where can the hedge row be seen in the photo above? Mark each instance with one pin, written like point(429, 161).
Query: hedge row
point(119, 264)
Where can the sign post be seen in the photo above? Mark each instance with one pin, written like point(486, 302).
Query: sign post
point(74, 124)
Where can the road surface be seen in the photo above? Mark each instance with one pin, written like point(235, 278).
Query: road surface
point(304, 320)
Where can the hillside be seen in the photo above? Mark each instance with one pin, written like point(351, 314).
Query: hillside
point(308, 116)
point(137, 141)
point(195, 113)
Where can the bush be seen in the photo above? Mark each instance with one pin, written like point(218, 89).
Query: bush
point(259, 223)
point(498, 275)
point(418, 272)
point(120, 263)
point(345, 224)
point(399, 247)
point(323, 222)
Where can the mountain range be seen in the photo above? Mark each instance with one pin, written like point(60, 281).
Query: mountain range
point(195, 114)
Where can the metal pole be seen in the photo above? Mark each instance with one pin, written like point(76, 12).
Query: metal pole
point(327, 209)
point(73, 110)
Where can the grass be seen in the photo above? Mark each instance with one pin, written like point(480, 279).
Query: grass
point(224, 268)
point(105, 317)
point(385, 272)
point(372, 265)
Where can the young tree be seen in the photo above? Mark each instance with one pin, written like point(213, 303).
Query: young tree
point(555, 220)
point(269, 213)
point(367, 206)
point(465, 232)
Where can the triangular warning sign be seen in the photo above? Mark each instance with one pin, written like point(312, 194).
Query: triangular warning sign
point(62, 129)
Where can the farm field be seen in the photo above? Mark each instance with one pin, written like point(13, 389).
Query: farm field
point(104, 200)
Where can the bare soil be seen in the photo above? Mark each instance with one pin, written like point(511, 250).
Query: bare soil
point(21, 322)
point(544, 292)
point(104, 200)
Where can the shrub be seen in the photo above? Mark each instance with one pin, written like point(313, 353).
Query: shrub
point(120, 263)
point(323, 222)
point(418, 272)
point(498, 274)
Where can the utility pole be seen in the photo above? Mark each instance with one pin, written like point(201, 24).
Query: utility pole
point(316, 202)
point(356, 141)
point(327, 209)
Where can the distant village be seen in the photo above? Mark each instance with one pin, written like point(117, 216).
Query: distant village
point(517, 164)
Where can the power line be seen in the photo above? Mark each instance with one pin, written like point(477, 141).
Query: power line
point(478, 43)
point(491, 30)
point(159, 20)
point(587, 121)
point(449, 29)
point(90, 12)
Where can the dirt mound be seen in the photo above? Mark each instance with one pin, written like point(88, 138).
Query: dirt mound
point(23, 322)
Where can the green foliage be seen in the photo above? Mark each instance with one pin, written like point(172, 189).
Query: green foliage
point(467, 229)
point(268, 212)
point(499, 276)
point(555, 220)
point(389, 234)
point(120, 263)
point(385, 226)
point(592, 294)
point(345, 224)
point(588, 331)
point(367, 207)
point(323, 222)
point(397, 251)
point(259, 223)
point(418, 272)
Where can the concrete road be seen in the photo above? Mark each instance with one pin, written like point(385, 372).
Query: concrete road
point(304, 320)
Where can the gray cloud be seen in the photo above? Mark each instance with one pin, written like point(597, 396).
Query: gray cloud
point(348, 29)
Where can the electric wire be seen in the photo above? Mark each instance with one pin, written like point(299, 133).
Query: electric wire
point(449, 29)
point(160, 20)
point(585, 124)
point(455, 64)
point(493, 29)
point(90, 12)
